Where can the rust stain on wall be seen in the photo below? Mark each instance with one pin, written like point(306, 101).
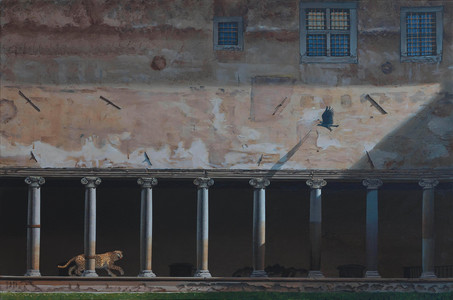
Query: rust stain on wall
point(8, 110)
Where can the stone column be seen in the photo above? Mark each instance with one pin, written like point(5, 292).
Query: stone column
point(146, 226)
point(372, 222)
point(428, 227)
point(90, 225)
point(203, 185)
point(33, 224)
point(259, 225)
point(315, 227)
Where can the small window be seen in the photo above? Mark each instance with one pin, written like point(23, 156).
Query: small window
point(421, 34)
point(228, 33)
point(328, 32)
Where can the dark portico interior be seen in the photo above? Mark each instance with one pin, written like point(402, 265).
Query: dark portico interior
point(230, 225)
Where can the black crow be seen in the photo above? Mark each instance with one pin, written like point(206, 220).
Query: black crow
point(327, 118)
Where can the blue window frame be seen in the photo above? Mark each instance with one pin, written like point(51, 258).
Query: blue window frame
point(228, 33)
point(328, 32)
point(421, 34)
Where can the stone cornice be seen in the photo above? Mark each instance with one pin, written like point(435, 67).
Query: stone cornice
point(443, 175)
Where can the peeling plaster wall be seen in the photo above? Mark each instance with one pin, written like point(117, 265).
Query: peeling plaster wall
point(186, 106)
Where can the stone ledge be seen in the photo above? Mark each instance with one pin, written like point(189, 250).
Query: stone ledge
point(340, 175)
point(49, 284)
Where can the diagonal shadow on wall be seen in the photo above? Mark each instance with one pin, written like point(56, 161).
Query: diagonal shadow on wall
point(424, 141)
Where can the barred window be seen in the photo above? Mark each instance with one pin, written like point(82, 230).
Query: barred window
point(421, 34)
point(328, 32)
point(228, 33)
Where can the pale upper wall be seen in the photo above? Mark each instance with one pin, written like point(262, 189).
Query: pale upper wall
point(251, 109)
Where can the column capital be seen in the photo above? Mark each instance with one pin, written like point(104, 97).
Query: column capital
point(91, 182)
point(316, 183)
point(35, 181)
point(147, 182)
point(203, 182)
point(259, 182)
point(428, 183)
point(372, 183)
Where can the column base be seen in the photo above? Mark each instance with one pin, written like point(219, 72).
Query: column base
point(258, 273)
point(146, 273)
point(372, 274)
point(89, 273)
point(202, 273)
point(428, 275)
point(33, 273)
point(315, 274)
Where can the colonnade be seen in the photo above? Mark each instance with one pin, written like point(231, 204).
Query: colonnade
point(259, 225)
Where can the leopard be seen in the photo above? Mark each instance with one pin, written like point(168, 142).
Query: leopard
point(103, 261)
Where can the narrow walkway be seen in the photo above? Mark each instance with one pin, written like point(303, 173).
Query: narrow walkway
point(51, 284)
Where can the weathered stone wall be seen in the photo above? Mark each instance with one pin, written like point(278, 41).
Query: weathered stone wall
point(185, 105)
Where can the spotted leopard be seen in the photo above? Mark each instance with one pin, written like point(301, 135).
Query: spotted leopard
point(103, 261)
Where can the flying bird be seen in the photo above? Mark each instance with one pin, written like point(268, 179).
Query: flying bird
point(327, 118)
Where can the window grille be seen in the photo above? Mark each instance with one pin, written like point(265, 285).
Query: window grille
point(340, 19)
point(339, 45)
point(421, 34)
point(316, 19)
point(228, 33)
point(316, 45)
point(328, 32)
